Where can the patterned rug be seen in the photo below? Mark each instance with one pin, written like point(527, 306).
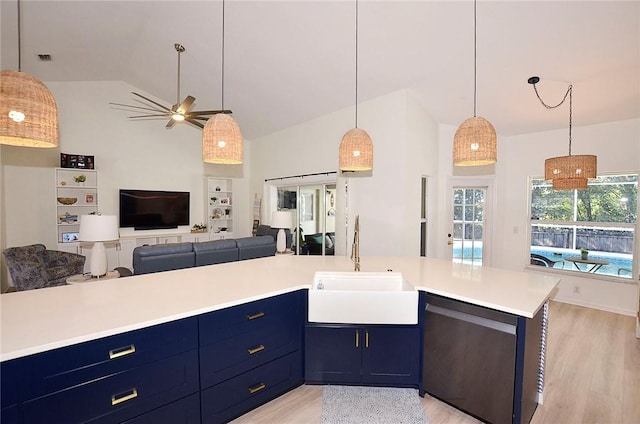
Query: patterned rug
point(369, 405)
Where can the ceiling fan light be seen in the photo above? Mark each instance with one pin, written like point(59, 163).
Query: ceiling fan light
point(475, 143)
point(177, 117)
point(222, 140)
point(28, 111)
point(356, 151)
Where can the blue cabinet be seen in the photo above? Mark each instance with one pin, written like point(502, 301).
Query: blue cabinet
point(250, 354)
point(9, 376)
point(183, 411)
point(211, 368)
point(381, 355)
point(109, 380)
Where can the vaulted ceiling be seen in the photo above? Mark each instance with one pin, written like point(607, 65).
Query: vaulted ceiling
point(286, 62)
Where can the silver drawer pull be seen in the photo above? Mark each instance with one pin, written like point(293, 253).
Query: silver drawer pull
point(255, 349)
point(257, 388)
point(121, 351)
point(123, 397)
point(258, 315)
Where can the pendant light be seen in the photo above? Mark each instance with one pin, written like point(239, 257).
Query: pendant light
point(28, 111)
point(356, 147)
point(221, 136)
point(567, 172)
point(475, 140)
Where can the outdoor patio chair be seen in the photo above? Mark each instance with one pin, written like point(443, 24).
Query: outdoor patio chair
point(543, 260)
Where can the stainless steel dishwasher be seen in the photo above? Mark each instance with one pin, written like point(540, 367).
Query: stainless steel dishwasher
point(470, 358)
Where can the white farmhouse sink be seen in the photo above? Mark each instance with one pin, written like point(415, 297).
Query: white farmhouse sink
point(362, 298)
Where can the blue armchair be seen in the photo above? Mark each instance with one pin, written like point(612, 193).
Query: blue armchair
point(35, 267)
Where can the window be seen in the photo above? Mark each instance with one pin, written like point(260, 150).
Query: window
point(600, 220)
point(468, 224)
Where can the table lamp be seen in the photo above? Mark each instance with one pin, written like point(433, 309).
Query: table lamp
point(281, 220)
point(98, 229)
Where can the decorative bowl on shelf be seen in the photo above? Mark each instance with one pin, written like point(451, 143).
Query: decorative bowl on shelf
point(67, 200)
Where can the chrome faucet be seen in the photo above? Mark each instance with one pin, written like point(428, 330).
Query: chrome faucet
point(355, 247)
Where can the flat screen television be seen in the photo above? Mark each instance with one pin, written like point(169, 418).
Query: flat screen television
point(153, 209)
point(287, 199)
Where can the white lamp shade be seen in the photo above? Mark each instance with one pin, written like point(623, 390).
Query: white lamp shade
point(98, 228)
point(281, 219)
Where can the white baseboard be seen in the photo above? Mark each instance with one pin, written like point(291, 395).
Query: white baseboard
point(621, 311)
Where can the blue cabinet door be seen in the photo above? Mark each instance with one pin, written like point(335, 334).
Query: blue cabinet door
point(333, 354)
point(376, 355)
point(391, 356)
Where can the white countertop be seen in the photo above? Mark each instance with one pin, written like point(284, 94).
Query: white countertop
point(39, 320)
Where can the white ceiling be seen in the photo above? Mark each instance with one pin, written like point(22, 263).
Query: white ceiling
point(286, 62)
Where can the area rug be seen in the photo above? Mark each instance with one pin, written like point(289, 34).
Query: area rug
point(368, 405)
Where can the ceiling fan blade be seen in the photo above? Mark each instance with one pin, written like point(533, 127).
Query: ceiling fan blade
point(151, 101)
point(171, 123)
point(137, 107)
point(196, 123)
point(164, 115)
point(186, 104)
point(209, 112)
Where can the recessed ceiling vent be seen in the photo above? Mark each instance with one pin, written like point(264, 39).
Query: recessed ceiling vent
point(45, 57)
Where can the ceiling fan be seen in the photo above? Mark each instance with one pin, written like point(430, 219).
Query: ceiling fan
point(180, 111)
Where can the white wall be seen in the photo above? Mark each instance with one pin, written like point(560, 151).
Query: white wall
point(128, 154)
point(388, 198)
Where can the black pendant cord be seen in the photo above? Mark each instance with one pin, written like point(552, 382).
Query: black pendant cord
point(534, 80)
point(222, 73)
point(356, 63)
point(475, 55)
point(178, 47)
point(19, 40)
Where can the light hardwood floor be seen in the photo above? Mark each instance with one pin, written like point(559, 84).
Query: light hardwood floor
point(592, 376)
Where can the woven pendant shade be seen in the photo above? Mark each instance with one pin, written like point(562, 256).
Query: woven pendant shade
point(222, 140)
point(28, 111)
point(356, 151)
point(570, 172)
point(474, 143)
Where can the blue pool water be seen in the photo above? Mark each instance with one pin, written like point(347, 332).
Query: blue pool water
point(619, 264)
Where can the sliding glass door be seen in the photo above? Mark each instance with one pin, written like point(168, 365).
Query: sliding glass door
point(314, 211)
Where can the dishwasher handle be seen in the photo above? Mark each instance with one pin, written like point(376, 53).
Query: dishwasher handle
point(473, 319)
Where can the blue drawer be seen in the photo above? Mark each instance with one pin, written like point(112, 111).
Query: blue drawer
point(247, 391)
point(272, 338)
point(249, 317)
point(183, 411)
point(119, 396)
point(56, 370)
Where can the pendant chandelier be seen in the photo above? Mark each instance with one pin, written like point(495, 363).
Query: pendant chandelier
point(356, 147)
point(221, 136)
point(475, 140)
point(28, 111)
point(570, 172)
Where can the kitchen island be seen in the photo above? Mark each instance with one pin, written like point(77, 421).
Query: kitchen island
point(53, 319)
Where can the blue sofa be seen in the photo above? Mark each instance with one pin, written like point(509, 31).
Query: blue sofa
point(170, 256)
